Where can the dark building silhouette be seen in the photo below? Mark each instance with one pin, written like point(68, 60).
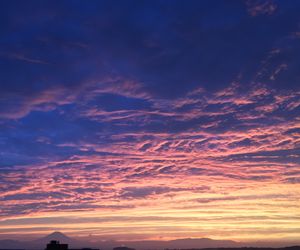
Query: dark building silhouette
point(55, 245)
point(123, 248)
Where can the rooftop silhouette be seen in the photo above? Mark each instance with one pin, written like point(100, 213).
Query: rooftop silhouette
point(56, 245)
point(123, 248)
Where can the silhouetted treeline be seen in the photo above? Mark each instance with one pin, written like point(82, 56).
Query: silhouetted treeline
point(240, 248)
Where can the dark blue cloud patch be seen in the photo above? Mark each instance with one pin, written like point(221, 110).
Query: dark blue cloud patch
point(172, 48)
point(113, 102)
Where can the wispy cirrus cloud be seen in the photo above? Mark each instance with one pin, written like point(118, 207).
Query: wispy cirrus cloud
point(261, 7)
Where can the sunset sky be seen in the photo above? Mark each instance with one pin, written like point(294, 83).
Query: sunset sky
point(134, 119)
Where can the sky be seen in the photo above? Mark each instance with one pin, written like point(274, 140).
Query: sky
point(136, 120)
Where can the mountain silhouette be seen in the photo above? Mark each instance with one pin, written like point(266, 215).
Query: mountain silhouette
point(10, 244)
point(56, 236)
point(188, 243)
point(204, 242)
point(62, 238)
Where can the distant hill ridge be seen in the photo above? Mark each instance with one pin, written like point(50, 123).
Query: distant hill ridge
point(187, 243)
